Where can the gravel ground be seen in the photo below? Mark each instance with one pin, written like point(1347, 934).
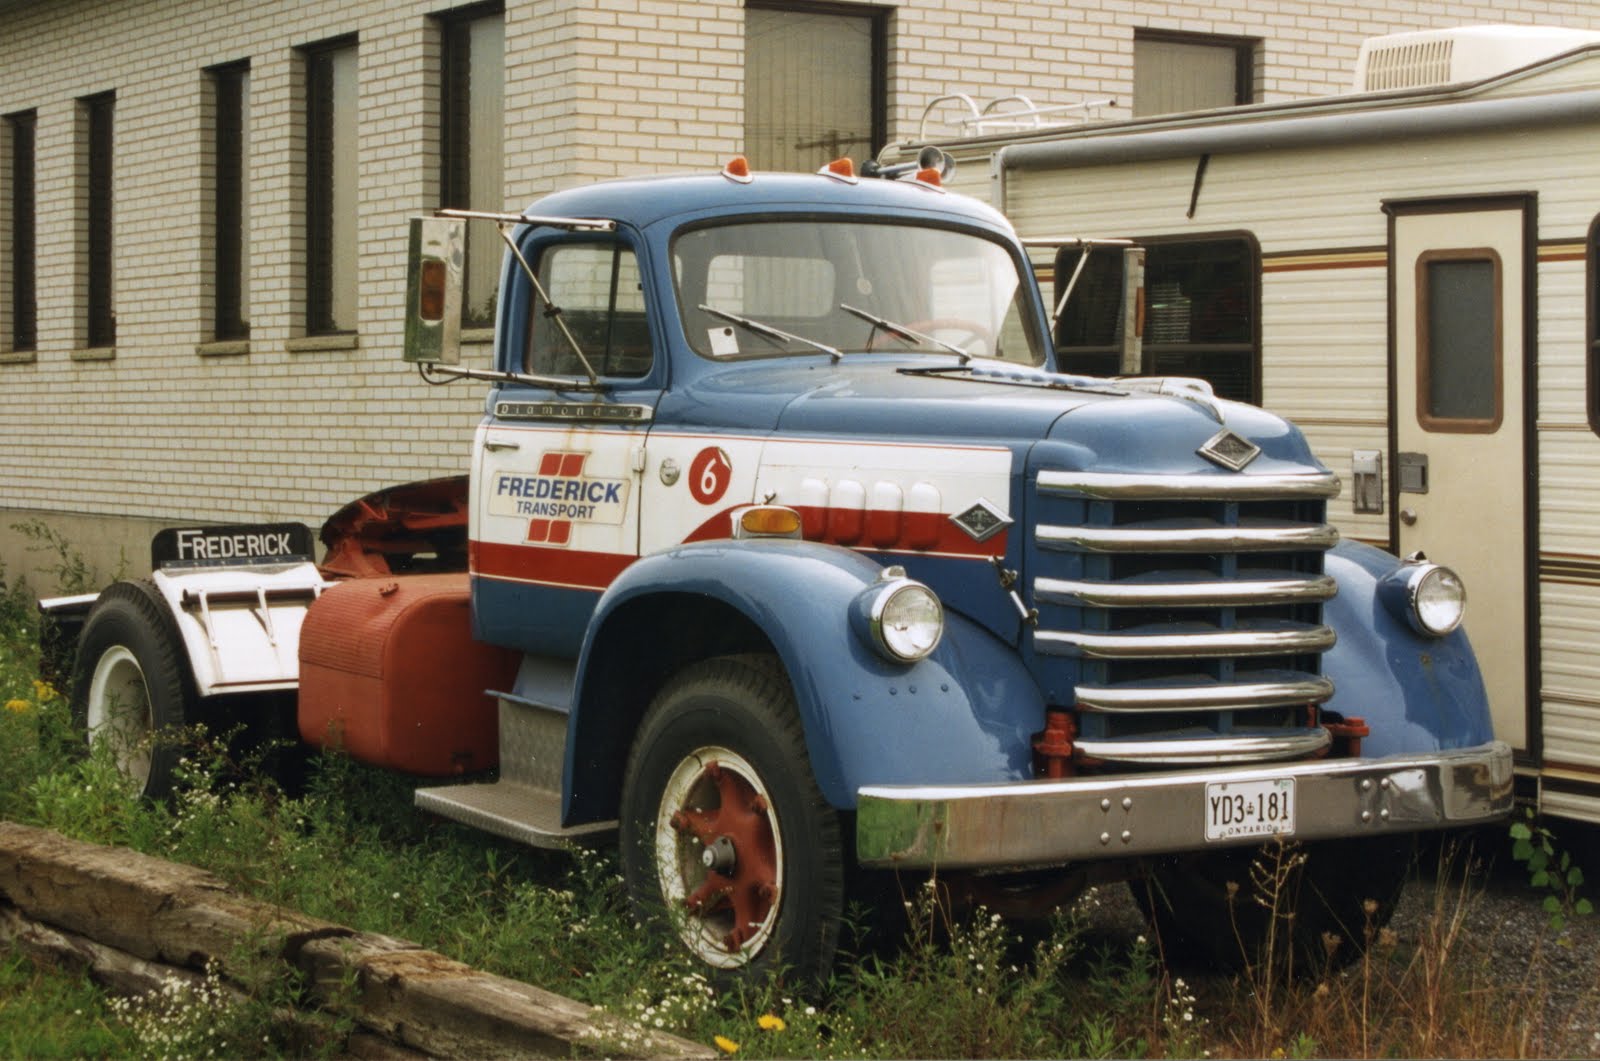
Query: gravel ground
point(1502, 914)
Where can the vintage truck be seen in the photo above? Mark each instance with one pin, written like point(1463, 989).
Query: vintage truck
point(788, 557)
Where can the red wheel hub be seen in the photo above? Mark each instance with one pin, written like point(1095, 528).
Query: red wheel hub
point(748, 887)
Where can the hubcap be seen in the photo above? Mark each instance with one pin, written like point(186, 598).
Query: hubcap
point(719, 856)
point(119, 712)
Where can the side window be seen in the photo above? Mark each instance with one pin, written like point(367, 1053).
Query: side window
point(1459, 341)
point(599, 299)
point(1201, 310)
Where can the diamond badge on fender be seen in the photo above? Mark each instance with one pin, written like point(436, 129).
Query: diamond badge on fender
point(981, 520)
point(1229, 450)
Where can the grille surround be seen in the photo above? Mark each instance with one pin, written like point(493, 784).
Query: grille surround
point(1190, 607)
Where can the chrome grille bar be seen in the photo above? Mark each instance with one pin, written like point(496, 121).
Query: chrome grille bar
point(1196, 594)
point(1208, 696)
point(1285, 537)
point(1118, 486)
point(1297, 744)
point(1196, 645)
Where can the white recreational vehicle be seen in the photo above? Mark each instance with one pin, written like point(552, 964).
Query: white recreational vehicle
point(1411, 272)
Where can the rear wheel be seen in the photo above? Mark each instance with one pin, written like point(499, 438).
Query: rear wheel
point(130, 686)
point(1319, 905)
point(725, 835)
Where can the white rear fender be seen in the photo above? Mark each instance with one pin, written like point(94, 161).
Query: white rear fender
point(241, 625)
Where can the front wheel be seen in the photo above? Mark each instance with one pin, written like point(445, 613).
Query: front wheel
point(1311, 906)
point(724, 832)
point(130, 686)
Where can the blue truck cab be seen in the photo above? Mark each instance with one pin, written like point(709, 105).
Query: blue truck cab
point(798, 562)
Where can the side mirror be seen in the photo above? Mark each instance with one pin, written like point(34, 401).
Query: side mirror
point(433, 290)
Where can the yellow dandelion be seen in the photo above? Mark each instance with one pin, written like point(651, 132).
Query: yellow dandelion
point(17, 706)
point(43, 691)
point(771, 1022)
point(725, 1044)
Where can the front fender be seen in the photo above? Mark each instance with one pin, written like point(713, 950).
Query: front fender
point(965, 713)
point(1417, 693)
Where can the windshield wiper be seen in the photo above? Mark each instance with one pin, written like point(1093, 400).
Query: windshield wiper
point(767, 331)
point(902, 332)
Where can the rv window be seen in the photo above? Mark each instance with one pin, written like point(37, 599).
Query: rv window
point(1458, 338)
point(1594, 326)
point(1200, 312)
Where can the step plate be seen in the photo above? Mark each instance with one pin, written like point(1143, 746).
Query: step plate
point(517, 812)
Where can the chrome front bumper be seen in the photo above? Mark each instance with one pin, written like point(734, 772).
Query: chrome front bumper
point(1038, 823)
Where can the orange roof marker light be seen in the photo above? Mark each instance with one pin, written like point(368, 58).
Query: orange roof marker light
point(840, 169)
point(738, 169)
point(930, 177)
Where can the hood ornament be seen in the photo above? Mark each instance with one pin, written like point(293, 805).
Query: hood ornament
point(1229, 450)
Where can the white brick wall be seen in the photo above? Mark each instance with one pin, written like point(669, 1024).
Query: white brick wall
point(593, 89)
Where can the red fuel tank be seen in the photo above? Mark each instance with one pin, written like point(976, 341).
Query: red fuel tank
point(390, 674)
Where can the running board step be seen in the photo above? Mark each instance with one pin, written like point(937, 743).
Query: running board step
point(525, 804)
point(515, 811)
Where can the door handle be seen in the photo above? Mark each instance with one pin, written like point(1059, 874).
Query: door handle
point(1408, 517)
point(496, 447)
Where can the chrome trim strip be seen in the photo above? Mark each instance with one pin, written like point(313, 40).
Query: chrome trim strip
point(1282, 538)
point(1218, 696)
point(1093, 645)
point(1296, 744)
point(1016, 824)
point(1245, 487)
point(1185, 594)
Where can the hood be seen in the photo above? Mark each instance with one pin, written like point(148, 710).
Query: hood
point(1081, 422)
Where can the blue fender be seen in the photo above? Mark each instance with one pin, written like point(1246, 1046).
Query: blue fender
point(965, 713)
point(1417, 693)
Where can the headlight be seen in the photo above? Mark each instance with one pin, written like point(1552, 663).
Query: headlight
point(904, 617)
point(1429, 597)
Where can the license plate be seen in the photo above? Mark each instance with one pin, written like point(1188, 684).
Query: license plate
point(1249, 808)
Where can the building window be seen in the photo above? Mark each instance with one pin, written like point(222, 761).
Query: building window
point(230, 87)
point(472, 120)
point(332, 107)
point(100, 142)
point(814, 84)
point(1202, 308)
point(22, 211)
point(1459, 341)
point(1186, 72)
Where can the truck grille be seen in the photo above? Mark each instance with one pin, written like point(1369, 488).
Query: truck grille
point(1191, 607)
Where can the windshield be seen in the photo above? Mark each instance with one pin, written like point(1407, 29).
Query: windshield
point(777, 288)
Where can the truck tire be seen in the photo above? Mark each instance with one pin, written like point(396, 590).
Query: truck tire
point(725, 836)
point(130, 684)
point(1345, 888)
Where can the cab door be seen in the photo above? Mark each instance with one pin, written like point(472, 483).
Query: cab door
point(555, 517)
point(1461, 367)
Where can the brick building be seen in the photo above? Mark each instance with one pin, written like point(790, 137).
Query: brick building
point(203, 204)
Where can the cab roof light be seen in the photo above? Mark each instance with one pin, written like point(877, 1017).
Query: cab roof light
point(840, 169)
point(930, 177)
point(738, 169)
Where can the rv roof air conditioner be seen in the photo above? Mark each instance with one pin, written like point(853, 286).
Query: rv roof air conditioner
point(1466, 53)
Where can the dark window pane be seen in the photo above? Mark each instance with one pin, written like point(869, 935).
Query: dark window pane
point(1200, 309)
point(24, 307)
point(231, 85)
point(1462, 355)
point(102, 321)
point(813, 87)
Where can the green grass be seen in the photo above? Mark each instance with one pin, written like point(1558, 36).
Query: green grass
point(351, 849)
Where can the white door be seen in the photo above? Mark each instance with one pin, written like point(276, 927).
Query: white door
point(1460, 468)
